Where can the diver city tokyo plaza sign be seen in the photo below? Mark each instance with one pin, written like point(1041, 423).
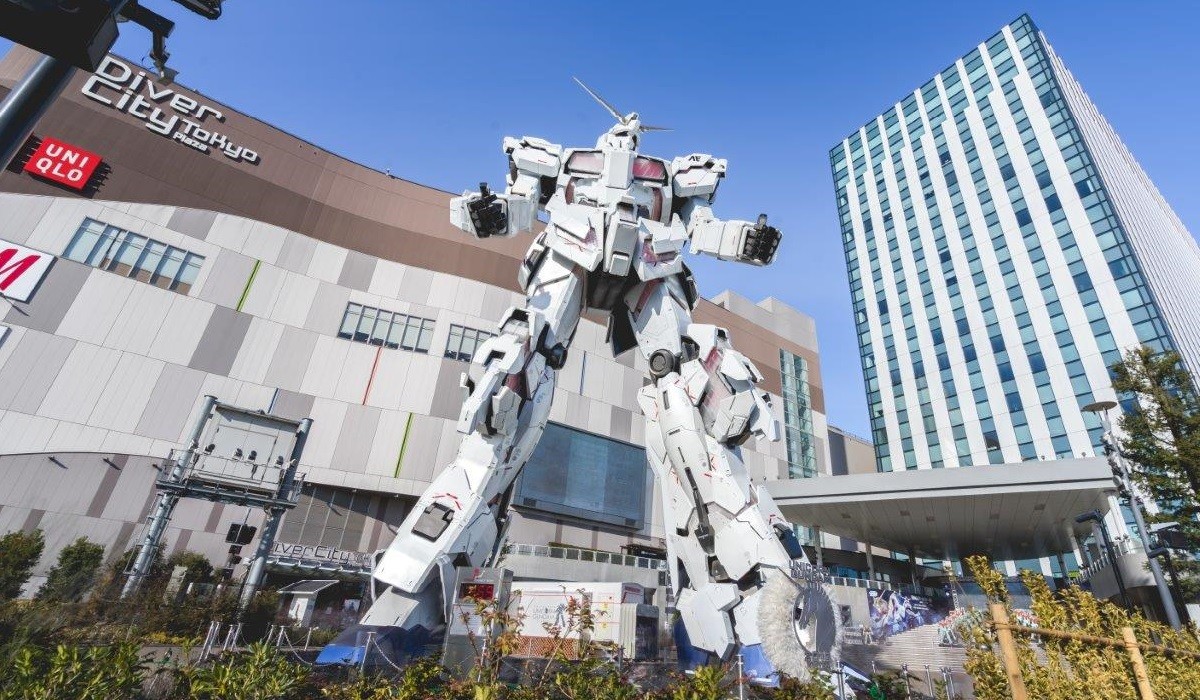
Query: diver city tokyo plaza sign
point(164, 110)
point(59, 161)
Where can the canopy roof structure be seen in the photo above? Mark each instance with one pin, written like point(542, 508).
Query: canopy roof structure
point(309, 587)
point(1006, 511)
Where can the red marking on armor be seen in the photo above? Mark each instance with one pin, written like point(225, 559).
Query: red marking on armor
point(647, 290)
point(451, 496)
point(653, 258)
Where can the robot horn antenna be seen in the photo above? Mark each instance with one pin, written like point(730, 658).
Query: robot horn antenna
point(604, 103)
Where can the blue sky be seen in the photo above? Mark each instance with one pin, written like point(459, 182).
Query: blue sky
point(428, 90)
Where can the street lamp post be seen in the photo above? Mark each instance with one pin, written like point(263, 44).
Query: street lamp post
point(1101, 409)
point(1098, 518)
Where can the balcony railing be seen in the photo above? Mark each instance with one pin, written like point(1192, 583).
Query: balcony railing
point(1123, 546)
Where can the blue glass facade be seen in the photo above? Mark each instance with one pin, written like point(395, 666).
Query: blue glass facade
point(992, 281)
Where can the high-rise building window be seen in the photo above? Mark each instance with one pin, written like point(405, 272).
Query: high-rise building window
point(1024, 288)
point(367, 324)
point(463, 342)
point(132, 255)
point(797, 416)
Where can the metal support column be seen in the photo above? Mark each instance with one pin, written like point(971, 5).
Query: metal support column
point(274, 516)
point(870, 563)
point(817, 547)
point(28, 101)
point(166, 504)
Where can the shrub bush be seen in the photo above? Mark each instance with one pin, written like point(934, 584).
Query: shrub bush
point(74, 573)
point(19, 553)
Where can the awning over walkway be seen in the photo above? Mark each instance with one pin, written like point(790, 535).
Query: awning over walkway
point(1006, 511)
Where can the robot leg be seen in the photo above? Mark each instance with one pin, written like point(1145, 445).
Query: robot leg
point(457, 521)
point(736, 550)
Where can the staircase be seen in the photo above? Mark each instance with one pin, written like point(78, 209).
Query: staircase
point(916, 647)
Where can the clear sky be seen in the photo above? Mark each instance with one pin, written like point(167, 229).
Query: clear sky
point(428, 90)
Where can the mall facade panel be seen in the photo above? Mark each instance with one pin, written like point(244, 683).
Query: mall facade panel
point(211, 253)
point(1004, 249)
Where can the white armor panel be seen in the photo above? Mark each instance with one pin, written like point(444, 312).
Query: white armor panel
point(661, 251)
point(534, 156)
point(705, 613)
point(697, 175)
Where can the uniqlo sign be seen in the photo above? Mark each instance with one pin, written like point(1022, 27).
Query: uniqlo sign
point(21, 269)
point(63, 163)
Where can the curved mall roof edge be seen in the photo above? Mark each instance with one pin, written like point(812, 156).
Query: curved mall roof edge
point(302, 187)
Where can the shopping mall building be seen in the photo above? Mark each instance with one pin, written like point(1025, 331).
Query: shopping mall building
point(159, 246)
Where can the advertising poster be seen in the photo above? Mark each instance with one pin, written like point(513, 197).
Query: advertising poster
point(893, 612)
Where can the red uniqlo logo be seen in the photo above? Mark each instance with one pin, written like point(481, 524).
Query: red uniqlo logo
point(63, 163)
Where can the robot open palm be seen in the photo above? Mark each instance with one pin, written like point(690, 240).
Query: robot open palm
point(618, 224)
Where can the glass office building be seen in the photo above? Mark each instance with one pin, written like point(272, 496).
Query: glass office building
point(1004, 249)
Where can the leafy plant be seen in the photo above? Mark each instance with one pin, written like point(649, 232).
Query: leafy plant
point(74, 573)
point(112, 672)
point(19, 553)
point(1053, 667)
point(705, 683)
point(258, 673)
point(816, 688)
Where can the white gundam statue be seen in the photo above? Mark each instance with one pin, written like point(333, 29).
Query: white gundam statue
point(618, 224)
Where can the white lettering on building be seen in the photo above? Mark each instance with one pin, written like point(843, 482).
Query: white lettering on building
point(117, 85)
point(320, 552)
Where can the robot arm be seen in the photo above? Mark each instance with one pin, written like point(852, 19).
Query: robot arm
point(694, 182)
point(742, 241)
point(533, 166)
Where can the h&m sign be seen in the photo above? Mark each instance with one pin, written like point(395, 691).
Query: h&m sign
point(21, 270)
point(166, 112)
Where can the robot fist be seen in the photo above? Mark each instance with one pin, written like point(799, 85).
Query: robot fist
point(486, 212)
point(761, 242)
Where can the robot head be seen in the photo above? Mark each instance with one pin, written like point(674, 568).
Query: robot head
point(624, 135)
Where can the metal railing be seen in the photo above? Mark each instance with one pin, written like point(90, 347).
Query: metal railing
point(867, 583)
point(577, 554)
point(591, 555)
point(229, 473)
point(1121, 547)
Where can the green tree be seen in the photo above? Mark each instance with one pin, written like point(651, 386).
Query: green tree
point(19, 553)
point(74, 573)
point(1162, 437)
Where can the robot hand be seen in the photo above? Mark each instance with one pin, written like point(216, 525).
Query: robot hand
point(760, 243)
point(480, 213)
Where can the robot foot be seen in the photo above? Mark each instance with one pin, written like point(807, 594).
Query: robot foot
point(398, 627)
point(396, 608)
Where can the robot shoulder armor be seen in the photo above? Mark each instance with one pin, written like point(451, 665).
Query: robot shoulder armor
point(697, 174)
point(534, 155)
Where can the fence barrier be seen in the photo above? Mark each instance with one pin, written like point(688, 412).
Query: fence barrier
point(1012, 665)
